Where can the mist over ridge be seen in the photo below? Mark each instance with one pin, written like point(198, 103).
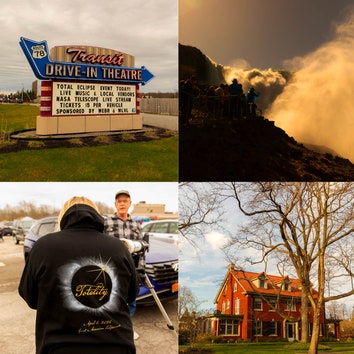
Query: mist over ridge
point(312, 100)
point(317, 105)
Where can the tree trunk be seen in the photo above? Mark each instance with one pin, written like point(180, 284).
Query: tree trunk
point(304, 317)
point(315, 332)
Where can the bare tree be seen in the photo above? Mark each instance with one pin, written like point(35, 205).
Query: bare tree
point(336, 310)
point(304, 225)
point(28, 208)
point(199, 210)
point(188, 307)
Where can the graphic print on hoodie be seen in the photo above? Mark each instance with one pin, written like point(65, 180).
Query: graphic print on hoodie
point(90, 285)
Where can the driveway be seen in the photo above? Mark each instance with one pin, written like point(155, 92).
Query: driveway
point(161, 121)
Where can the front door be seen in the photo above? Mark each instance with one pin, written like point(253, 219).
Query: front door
point(291, 331)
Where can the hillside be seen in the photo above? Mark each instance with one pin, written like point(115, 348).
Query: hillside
point(247, 149)
point(192, 61)
point(253, 150)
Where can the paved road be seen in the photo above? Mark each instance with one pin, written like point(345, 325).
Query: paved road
point(18, 320)
point(161, 121)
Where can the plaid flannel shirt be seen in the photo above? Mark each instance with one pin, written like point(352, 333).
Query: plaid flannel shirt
point(115, 226)
point(129, 229)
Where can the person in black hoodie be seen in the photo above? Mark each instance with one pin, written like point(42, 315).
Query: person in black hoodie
point(80, 281)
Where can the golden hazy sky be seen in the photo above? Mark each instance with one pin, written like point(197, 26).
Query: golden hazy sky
point(264, 33)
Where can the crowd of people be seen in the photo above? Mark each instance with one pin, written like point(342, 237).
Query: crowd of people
point(215, 102)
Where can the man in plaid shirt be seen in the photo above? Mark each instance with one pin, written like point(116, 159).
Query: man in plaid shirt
point(122, 225)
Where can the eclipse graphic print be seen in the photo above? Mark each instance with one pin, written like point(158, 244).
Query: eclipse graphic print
point(90, 285)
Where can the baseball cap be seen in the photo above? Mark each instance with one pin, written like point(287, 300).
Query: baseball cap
point(122, 192)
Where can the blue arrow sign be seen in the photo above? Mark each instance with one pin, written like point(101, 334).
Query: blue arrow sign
point(37, 54)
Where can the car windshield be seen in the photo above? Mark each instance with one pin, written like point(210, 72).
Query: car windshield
point(161, 227)
point(26, 225)
point(47, 228)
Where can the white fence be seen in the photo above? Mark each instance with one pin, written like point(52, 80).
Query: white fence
point(167, 106)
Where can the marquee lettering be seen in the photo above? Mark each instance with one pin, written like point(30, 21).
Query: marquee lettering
point(80, 55)
point(62, 70)
point(85, 65)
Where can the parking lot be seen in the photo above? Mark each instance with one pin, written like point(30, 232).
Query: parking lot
point(18, 320)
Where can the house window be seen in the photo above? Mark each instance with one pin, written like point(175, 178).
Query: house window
point(262, 283)
point(272, 328)
point(228, 304)
point(257, 303)
point(257, 328)
point(237, 306)
point(286, 286)
point(223, 307)
point(228, 327)
point(272, 304)
point(290, 305)
point(235, 286)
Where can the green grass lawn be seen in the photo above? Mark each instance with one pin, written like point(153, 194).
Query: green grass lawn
point(15, 117)
point(263, 348)
point(154, 160)
point(143, 161)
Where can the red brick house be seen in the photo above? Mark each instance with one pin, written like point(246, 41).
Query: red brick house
point(246, 306)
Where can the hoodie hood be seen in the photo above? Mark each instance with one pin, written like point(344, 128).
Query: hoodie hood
point(82, 214)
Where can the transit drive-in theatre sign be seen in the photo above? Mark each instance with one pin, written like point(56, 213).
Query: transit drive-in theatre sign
point(85, 89)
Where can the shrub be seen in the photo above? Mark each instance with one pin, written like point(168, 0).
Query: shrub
point(102, 139)
point(76, 142)
point(128, 137)
point(151, 135)
point(217, 340)
point(36, 144)
point(183, 337)
point(205, 338)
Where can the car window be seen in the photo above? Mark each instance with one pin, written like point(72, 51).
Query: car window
point(160, 228)
point(147, 228)
point(173, 228)
point(46, 228)
point(35, 229)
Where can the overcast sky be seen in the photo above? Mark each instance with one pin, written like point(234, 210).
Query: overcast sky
point(263, 34)
point(148, 30)
point(55, 194)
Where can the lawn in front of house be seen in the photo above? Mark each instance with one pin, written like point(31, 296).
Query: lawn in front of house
point(263, 348)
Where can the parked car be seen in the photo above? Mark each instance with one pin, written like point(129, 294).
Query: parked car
point(40, 228)
point(7, 230)
point(20, 228)
point(166, 230)
point(162, 269)
point(161, 262)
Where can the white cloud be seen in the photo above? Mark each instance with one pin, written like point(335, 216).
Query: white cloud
point(203, 267)
point(216, 239)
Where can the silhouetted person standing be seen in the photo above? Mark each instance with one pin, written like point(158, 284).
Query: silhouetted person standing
point(251, 98)
point(236, 92)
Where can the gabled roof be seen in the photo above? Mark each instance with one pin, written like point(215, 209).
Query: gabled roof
point(274, 283)
point(247, 281)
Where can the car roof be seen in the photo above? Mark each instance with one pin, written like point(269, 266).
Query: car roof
point(48, 218)
point(45, 219)
point(160, 220)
